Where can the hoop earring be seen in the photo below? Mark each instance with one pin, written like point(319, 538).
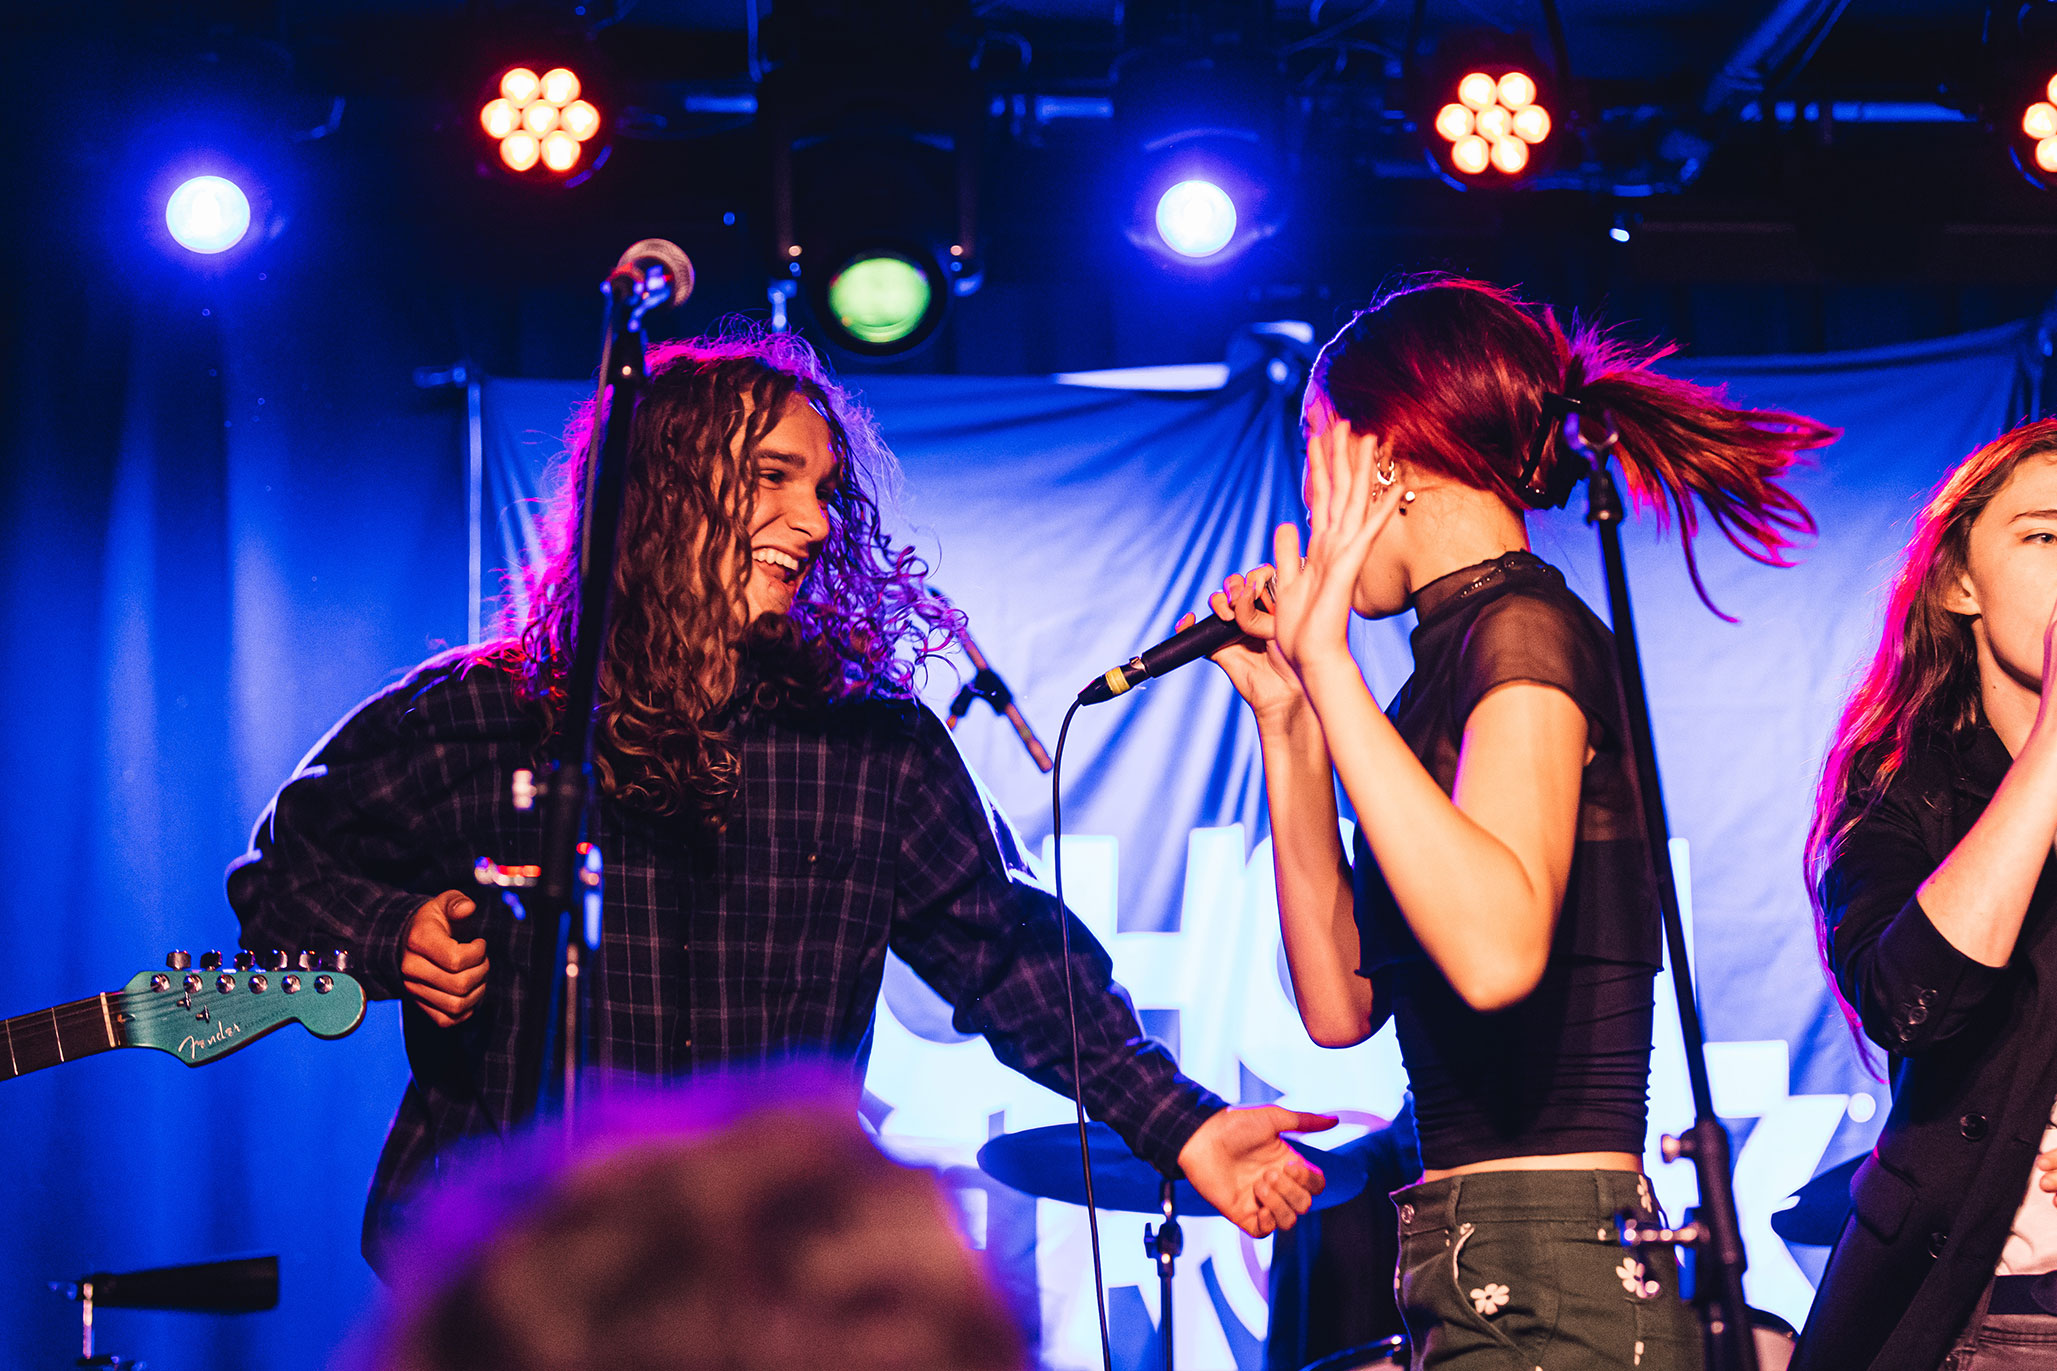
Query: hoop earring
point(1389, 475)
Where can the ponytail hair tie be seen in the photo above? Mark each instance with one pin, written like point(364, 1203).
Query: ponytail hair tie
point(1550, 487)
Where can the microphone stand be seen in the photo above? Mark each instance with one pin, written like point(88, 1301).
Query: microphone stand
point(986, 685)
point(565, 883)
point(1714, 1237)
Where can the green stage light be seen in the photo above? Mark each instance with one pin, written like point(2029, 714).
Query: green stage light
point(880, 298)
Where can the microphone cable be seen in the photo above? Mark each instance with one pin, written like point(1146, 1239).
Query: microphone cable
point(1078, 1083)
point(1114, 683)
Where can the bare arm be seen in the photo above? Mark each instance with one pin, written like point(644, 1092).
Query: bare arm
point(1316, 904)
point(1480, 875)
point(1978, 897)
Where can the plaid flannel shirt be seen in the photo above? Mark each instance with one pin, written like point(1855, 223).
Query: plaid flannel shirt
point(861, 833)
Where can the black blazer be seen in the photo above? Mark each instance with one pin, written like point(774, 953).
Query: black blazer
point(1973, 1059)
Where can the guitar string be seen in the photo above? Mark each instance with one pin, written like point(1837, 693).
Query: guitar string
point(26, 1030)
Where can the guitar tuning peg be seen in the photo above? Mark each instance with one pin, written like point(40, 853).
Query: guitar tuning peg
point(245, 960)
point(338, 960)
point(210, 961)
point(305, 960)
point(178, 960)
point(276, 960)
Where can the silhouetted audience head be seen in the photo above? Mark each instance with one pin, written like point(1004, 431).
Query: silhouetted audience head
point(751, 1226)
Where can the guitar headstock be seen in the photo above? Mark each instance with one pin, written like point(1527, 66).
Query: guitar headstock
point(199, 1013)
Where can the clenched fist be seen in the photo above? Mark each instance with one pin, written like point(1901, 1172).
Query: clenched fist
point(444, 975)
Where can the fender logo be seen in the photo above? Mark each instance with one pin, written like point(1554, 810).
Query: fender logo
point(192, 1047)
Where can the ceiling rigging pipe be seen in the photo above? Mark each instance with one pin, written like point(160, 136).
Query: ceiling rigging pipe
point(1771, 54)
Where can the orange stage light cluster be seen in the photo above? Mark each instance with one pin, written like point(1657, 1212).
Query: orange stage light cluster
point(540, 119)
point(2039, 122)
point(1493, 123)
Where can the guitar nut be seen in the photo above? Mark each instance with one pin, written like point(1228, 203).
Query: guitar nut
point(324, 984)
point(291, 985)
point(259, 983)
point(225, 984)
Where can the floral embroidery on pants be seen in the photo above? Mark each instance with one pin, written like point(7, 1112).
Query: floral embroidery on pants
point(1632, 1279)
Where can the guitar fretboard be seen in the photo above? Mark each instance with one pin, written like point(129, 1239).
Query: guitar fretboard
point(61, 1034)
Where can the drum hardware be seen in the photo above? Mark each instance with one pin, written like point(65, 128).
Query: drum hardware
point(1044, 1162)
point(245, 1285)
point(1387, 1354)
point(1164, 1247)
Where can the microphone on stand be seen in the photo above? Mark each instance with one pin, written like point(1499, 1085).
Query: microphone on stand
point(655, 269)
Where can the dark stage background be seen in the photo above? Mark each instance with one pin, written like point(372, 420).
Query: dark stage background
point(230, 513)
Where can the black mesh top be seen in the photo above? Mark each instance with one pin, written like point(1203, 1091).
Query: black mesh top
point(1567, 1069)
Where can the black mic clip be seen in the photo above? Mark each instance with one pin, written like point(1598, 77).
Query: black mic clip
point(984, 685)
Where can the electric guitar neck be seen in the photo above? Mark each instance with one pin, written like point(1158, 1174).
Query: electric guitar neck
point(197, 1014)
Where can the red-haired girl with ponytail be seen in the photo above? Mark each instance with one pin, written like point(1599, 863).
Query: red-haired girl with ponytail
point(1500, 908)
point(1930, 862)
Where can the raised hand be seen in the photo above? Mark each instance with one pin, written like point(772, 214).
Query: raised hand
point(443, 967)
point(1348, 506)
point(1241, 1166)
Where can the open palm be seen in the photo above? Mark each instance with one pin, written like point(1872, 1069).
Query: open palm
point(1348, 506)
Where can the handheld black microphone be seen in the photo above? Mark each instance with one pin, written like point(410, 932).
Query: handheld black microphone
point(1203, 638)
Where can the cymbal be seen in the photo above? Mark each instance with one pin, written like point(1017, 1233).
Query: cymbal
point(1824, 1203)
point(1044, 1162)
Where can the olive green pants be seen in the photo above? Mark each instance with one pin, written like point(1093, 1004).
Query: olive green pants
point(1518, 1270)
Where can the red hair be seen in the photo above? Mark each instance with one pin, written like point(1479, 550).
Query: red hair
point(1923, 682)
point(1452, 375)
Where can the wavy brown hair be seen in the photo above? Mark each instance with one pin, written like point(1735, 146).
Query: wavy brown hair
point(1923, 681)
point(681, 666)
point(1452, 375)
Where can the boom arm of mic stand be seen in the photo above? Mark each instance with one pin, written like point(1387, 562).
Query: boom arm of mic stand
point(1719, 1258)
point(988, 686)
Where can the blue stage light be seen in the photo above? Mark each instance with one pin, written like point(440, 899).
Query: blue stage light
point(208, 214)
point(1196, 218)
